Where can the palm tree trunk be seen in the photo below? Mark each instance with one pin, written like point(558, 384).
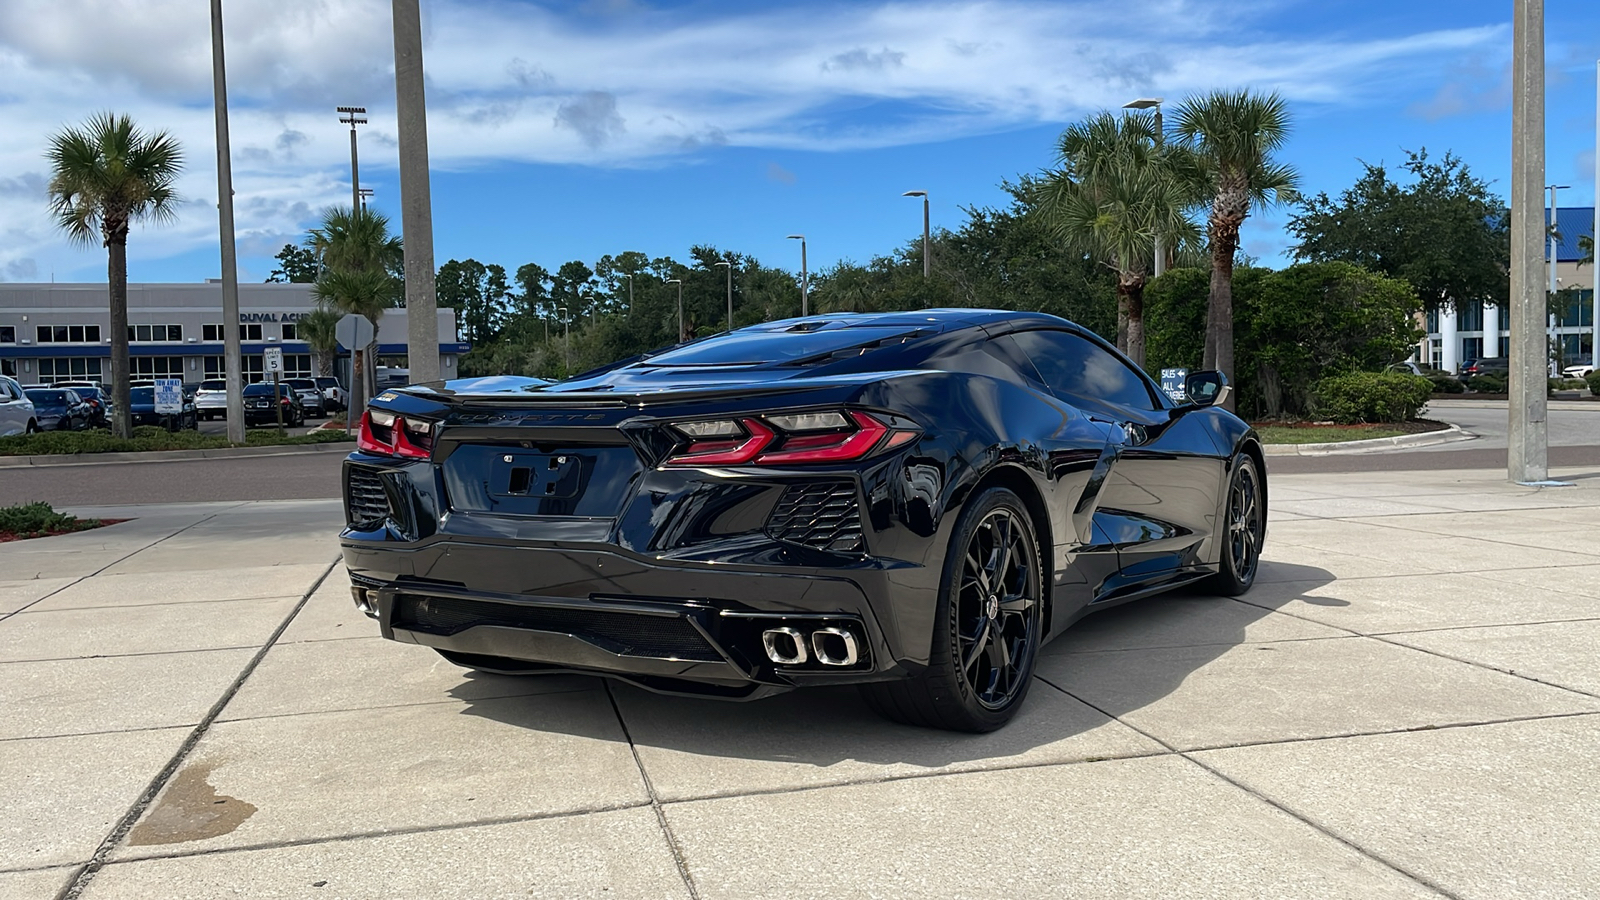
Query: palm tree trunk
point(1122, 318)
point(1219, 309)
point(121, 394)
point(1135, 299)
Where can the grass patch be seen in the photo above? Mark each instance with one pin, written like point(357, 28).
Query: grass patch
point(34, 520)
point(1327, 433)
point(149, 438)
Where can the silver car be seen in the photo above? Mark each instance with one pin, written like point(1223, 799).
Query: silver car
point(310, 396)
point(211, 399)
point(16, 410)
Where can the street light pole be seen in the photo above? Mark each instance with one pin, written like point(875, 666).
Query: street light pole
point(416, 199)
point(679, 283)
point(233, 363)
point(729, 266)
point(805, 276)
point(1527, 414)
point(927, 251)
point(353, 116)
point(630, 293)
point(1154, 103)
point(1594, 237)
point(566, 321)
point(1555, 285)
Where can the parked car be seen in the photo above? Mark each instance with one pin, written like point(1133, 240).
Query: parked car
point(1406, 367)
point(16, 410)
point(914, 502)
point(97, 396)
point(142, 410)
point(1499, 365)
point(310, 396)
point(59, 409)
point(211, 399)
point(334, 397)
point(1582, 370)
point(258, 409)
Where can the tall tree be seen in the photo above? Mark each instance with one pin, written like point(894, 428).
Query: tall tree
point(319, 328)
point(357, 259)
point(1114, 193)
point(1446, 233)
point(1232, 136)
point(478, 293)
point(296, 265)
point(106, 175)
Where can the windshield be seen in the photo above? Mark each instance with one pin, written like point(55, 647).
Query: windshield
point(327, 381)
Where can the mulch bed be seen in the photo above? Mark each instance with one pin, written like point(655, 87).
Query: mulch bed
point(80, 525)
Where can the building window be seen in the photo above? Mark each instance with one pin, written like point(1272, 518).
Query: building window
point(212, 332)
point(77, 368)
point(68, 334)
point(250, 332)
point(155, 334)
point(215, 366)
point(253, 371)
point(156, 366)
point(1432, 319)
point(8, 334)
point(297, 365)
point(289, 331)
point(1505, 345)
point(1471, 348)
point(1470, 318)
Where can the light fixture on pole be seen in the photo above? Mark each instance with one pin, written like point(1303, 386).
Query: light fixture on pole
point(1154, 103)
point(805, 276)
point(728, 264)
point(927, 251)
point(364, 194)
point(1555, 283)
point(353, 116)
point(232, 360)
point(679, 283)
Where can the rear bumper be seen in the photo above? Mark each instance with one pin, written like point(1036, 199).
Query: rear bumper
point(690, 628)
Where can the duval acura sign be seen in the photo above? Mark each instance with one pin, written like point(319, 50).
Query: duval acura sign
point(272, 316)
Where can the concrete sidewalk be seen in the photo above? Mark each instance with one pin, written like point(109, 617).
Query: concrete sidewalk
point(1404, 706)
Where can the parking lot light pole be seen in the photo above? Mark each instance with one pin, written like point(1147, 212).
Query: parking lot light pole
point(567, 341)
point(679, 283)
point(233, 364)
point(805, 276)
point(1154, 103)
point(927, 251)
point(728, 264)
point(1555, 283)
point(353, 116)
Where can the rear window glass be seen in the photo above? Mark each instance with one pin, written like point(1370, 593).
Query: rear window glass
point(260, 389)
point(50, 397)
point(328, 382)
point(213, 385)
point(748, 348)
point(142, 395)
point(302, 383)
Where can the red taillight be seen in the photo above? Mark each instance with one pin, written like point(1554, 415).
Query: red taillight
point(787, 439)
point(390, 435)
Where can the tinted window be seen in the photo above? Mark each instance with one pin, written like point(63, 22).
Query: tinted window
point(752, 347)
point(142, 395)
point(48, 398)
point(302, 383)
point(259, 389)
point(213, 385)
point(1075, 368)
point(995, 357)
point(327, 382)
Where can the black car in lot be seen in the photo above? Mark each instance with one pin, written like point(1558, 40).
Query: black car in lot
point(142, 408)
point(60, 409)
point(914, 502)
point(258, 408)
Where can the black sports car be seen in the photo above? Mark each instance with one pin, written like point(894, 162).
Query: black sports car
point(912, 501)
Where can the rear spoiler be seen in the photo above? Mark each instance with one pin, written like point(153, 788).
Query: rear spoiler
point(547, 399)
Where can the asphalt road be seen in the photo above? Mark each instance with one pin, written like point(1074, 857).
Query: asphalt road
point(1574, 439)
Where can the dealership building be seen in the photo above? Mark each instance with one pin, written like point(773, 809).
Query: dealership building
point(58, 332)
point(1480, 331)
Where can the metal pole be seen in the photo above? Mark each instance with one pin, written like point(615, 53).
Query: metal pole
point(1527, 425)
point(1161, 250)
point(355, 170)
point(681, 335)
point(416, 208)
point(729, 265)
point(630, 295)
point(805, 282)
point(233, 364)
point(927, 246)
point(1594, 237)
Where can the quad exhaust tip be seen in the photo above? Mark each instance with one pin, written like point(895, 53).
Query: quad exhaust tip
point(831, 646)
point(366, 600)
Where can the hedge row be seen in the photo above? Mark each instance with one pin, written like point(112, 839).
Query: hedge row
point(1370, 397)
point(148, 437)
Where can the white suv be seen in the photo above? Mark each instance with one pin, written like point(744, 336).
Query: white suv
point(211, 399)
point(333, 394)
point(16, 410)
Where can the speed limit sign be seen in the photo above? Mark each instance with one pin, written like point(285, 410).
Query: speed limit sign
point(272, 360)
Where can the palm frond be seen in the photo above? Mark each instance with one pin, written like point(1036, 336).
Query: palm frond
point(108, 173)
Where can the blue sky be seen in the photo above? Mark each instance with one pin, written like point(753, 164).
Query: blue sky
point(565, 130)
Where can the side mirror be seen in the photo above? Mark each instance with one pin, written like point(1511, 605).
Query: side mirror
point(1206, 388)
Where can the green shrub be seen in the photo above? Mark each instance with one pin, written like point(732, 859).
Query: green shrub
point(1567, 384)
point(1594, 383)
point(28, 520)
point(146, 438)
point(1371, 397)
point(1445, 383)
point(1487, 384)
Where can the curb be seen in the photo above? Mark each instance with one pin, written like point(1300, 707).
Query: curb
point(149, 456)
point(1373, 445)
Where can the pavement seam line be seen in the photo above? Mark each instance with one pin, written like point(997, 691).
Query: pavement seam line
point(119, 560)
point(655, 800)
point(75, 887)
point(1308, 821)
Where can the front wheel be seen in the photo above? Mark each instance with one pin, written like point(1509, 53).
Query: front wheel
point(987, 631)
point(1244, 526)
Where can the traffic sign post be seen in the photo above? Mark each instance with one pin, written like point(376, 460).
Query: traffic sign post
point(272, 362)
point(169, 399)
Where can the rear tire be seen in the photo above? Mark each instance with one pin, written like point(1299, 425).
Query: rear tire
point(987, 631)
point(1244, 522)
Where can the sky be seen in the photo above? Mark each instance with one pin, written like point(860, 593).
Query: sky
point(568, 130)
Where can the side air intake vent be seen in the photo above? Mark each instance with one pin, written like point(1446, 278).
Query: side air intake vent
point(821, 514)
point(365, 500)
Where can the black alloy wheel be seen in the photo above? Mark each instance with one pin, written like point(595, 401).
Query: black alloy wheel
point(1243, 530)
point(988, 629)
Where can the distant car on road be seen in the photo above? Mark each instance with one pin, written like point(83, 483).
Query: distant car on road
point(1405, 367)
point(1582, 370)
point(142, 409)
point(16, 410)
point(334, 396)
point(258, 409)
point(59, 409)
point(1500, 366)
point(96, 395)
point(211, 399)
point(310, 396)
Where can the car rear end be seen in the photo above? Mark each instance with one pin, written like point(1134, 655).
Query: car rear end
point(258, 404)
point(310, 395)
point(211, 398)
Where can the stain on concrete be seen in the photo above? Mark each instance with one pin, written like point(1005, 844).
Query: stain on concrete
point(191, 810)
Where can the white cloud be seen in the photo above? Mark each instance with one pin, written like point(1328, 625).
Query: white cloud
point(614, 83)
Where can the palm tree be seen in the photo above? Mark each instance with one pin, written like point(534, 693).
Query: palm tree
point(357, 258)
point(1115, 192)
point(1232, 137)
point(319, 329)
point(105, 176)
